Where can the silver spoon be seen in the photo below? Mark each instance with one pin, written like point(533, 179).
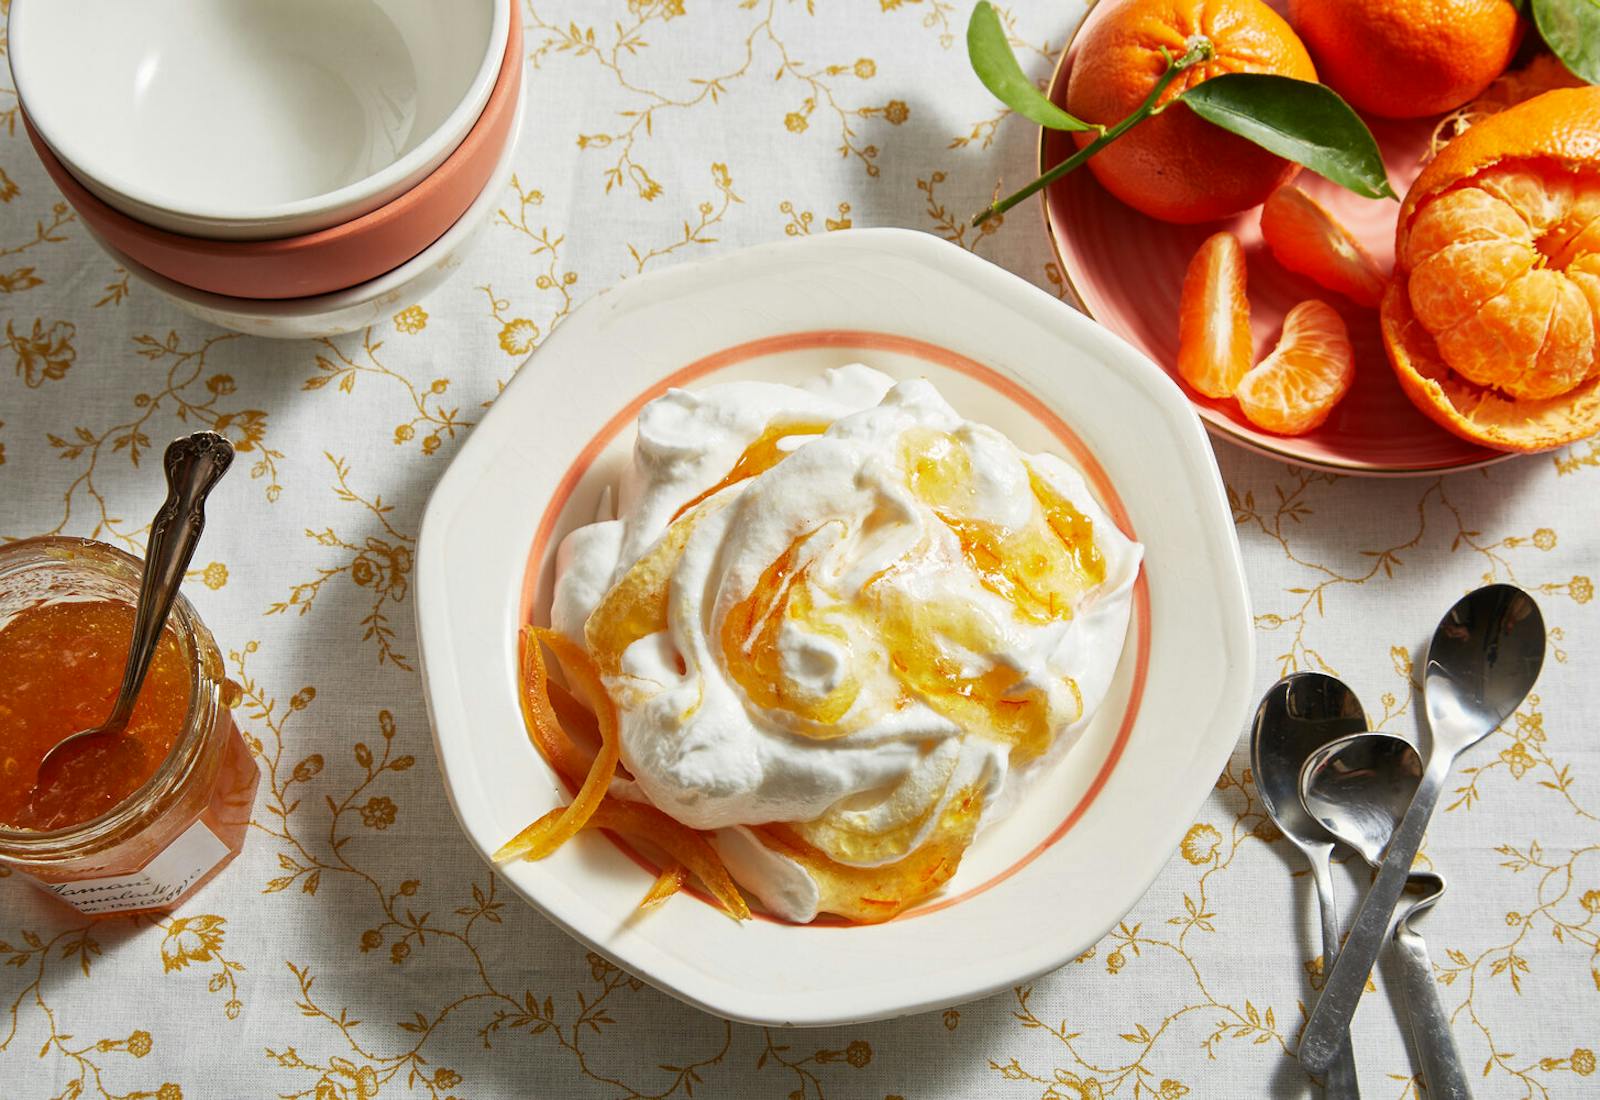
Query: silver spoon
point(1482, 662)
point(1358, 788)
point(194, 465)
point(1298, 715)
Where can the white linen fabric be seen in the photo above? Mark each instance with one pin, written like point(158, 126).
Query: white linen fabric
point(358, 950)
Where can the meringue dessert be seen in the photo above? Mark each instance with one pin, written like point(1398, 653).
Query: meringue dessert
point(831, 633)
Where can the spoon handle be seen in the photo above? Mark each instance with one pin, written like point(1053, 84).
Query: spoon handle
point(194, 465)
point(1339, 1082)
point(1330, 1016)
point(1430, 1025)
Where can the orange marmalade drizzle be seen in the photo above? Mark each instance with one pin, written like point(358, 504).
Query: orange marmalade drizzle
point(62, 667)
point(636, 606)
point(750, 633)
point(1040, 569)
point(761, 456)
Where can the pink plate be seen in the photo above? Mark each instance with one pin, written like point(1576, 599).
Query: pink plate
point(1127, 271)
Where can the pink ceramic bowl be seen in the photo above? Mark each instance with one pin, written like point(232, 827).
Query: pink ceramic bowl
point(329, 259)
point(1127, 271)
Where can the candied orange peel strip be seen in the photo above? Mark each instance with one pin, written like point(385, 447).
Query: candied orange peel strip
point(545, 704)
point(557, 827)
point(682, 844)
point(545, 728)
point(667, 883)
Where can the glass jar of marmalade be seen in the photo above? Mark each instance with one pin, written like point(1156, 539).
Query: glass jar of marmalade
point(158, 811)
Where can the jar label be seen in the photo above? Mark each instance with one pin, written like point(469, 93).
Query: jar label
point(162, 881)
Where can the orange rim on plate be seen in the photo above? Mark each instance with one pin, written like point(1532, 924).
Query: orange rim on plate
point(1376, 431)
point(876, 341)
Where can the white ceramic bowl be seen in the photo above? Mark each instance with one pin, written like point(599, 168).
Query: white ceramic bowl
point(1082, 846)
point(253, 119)
point(344, 310)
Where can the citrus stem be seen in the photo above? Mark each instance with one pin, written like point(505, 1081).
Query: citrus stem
point(1199, 50)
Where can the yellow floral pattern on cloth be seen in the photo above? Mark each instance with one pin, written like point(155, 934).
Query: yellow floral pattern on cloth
point(358, 951)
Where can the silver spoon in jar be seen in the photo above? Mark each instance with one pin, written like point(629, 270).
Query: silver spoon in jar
point(194, 464)
point(1298, 715)
point(1358, 788)
point(1482, 662)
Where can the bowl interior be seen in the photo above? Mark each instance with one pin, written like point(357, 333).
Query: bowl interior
point(260, 103)
point(1127, 269)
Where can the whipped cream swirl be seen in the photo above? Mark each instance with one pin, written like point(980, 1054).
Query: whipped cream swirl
point(836, 605)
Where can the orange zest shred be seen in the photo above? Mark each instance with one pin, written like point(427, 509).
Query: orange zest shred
point(553, 830)
point(667, 883)
point(542, 700)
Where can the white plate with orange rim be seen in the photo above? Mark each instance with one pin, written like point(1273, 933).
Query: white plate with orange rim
point(1086, 841)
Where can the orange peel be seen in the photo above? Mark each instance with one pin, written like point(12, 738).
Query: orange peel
point(548, 708)
point(1492, 322)
point(683, 845)
point(557, 827)
point(539, 714)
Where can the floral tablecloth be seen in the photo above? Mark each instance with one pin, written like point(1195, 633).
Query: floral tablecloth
point(357, 949)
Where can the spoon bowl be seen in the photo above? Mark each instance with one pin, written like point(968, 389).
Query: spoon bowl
point(1298, 715)
point(1483, 660)
point(1358, 787)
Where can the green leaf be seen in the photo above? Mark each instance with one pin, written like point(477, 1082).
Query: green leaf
point(1305, 122)
point(995, 64)
point(1572, 29)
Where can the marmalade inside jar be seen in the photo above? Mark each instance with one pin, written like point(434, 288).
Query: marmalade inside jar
point(60, 667)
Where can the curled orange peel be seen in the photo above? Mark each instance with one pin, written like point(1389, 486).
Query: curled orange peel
point(682, 844)
point(546, 728)
point(548, 709)
point(557, 827)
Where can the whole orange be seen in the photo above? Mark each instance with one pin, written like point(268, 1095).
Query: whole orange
point(1492, 319)
point(1408, 58)
point(1175, 165)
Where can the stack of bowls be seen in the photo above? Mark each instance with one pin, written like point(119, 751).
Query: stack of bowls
point(282, 167)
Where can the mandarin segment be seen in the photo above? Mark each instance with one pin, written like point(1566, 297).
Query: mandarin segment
point(1214, 342)
point(1540, 320)
point(1305, 238)
point(1295, 388)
